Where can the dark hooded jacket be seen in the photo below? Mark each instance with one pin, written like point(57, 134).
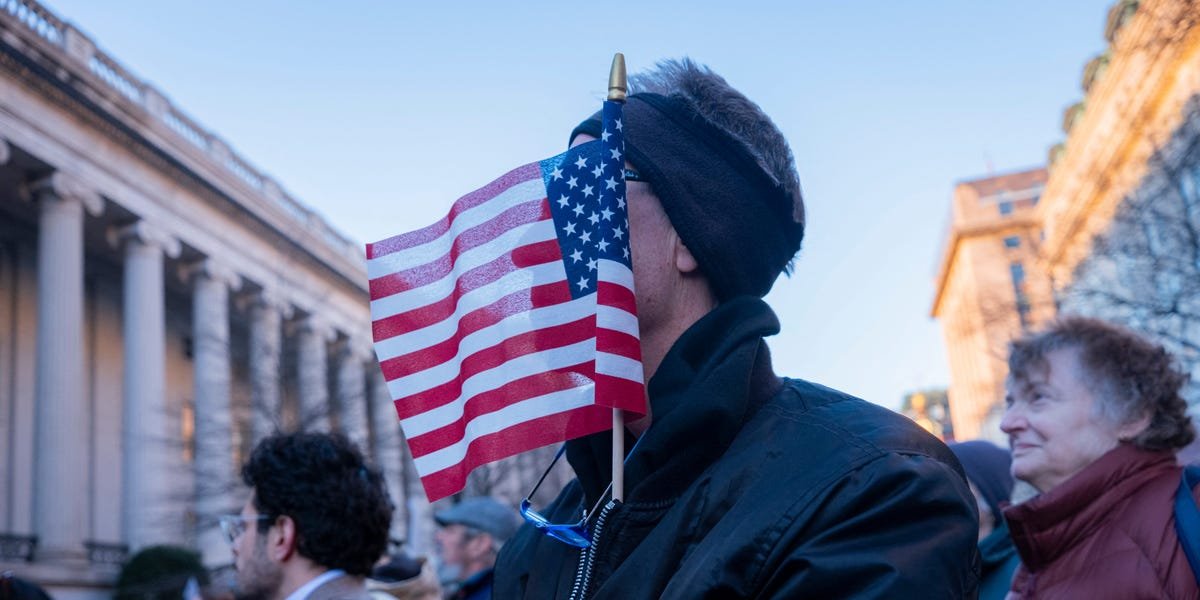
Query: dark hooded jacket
point(751, 486)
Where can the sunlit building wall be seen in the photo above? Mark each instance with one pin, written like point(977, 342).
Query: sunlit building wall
point(990, 287)
point(1121, 208)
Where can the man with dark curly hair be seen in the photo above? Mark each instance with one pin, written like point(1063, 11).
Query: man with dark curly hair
point(315, 524)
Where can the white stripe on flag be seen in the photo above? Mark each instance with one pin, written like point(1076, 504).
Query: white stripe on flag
point(436, 290)
point(533, 189)
point(616, 365)
point(616, 319)
point(515, 414)
point(522, 366)
point(615, 272)
point(443, 330)
point(523, 322)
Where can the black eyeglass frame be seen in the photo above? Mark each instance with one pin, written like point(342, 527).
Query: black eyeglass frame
point(631, 175)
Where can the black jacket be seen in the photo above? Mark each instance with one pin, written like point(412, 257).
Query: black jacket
point(749, 486)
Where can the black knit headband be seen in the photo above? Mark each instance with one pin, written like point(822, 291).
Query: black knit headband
point(733, 216)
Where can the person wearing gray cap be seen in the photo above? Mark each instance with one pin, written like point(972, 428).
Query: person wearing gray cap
point(469, 539)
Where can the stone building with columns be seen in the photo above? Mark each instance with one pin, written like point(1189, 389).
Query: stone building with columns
point(163, 304)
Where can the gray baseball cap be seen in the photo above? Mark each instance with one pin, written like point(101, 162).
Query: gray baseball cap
point(483, 513)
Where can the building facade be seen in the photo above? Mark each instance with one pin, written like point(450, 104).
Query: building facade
point(1116, 232)
point(163, 305)
point(1121, 210)
point(990, 287)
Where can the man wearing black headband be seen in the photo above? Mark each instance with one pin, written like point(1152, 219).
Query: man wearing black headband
point(739, 483)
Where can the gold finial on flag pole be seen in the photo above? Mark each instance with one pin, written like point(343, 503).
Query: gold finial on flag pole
point(617, 81)
point(618, 86)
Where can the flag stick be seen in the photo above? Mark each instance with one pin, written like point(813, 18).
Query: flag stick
point(617, 88)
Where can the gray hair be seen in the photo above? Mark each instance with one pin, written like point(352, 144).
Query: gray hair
point(1131, 376)
point(731, 111)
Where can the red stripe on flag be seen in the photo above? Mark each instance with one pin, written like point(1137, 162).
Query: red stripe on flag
point(427, 234)
point(619, 343)
point(620, 393)
point(439, 310)
point(536, 253)
point(508, 394)
point(522, 214)
point(514, 440)
point(617, 296)
point(539, 340)
point(517, 302)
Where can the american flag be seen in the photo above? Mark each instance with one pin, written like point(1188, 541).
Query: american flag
point(511, 323)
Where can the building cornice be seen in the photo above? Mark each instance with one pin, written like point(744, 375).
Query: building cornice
point(958, 234)
point(64, 66)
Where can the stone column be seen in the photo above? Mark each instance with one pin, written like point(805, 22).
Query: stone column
point(148, 437)
point(312, 364)
point(266, 343)
point(212, 375)
point(61, 403)
point(352, 394)
point(388, 451)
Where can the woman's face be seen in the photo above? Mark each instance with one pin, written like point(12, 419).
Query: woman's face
point(1053, 423)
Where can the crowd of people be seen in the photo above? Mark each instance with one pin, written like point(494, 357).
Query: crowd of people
point(742, 483)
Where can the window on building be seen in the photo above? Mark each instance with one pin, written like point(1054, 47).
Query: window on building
point(187, 430)
point(1005, 207)
point(1012, 241)
point(1018, 273)
point(1034, 200)
point(1017, 270)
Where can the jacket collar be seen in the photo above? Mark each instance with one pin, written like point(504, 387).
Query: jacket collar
point(1048, 525)
point(715, 375)
point(996, 548)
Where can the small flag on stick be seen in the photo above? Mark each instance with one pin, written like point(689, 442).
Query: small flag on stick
point(511, 323)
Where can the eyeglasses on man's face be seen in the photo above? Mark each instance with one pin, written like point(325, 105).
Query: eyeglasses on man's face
point(631, 175)
point(233, 526)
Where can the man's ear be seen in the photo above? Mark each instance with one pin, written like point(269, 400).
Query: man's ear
point(281, 539)
point(684, 261)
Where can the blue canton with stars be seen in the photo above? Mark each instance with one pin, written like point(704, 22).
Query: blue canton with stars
point(586, 190)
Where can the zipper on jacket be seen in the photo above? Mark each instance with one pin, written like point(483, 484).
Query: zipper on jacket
point(587, 557)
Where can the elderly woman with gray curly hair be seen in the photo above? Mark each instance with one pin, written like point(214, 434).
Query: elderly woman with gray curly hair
point(1094, 419)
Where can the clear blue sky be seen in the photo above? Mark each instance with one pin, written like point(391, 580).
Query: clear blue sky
point(380, 114)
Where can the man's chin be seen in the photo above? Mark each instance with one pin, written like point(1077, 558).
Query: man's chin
point(251, 594)
point(252, 587)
